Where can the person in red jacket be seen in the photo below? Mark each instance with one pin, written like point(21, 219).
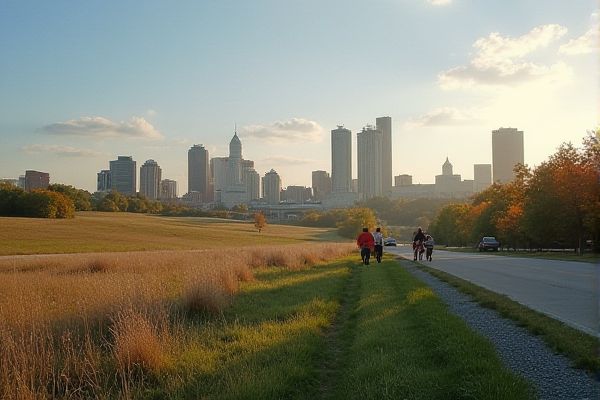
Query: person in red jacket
point(366, 243)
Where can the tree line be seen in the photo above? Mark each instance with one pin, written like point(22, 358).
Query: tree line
point(61, 201)
point(554, 205)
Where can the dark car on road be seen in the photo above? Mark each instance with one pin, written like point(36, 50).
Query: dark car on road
point(389, 242)
point(488, 243)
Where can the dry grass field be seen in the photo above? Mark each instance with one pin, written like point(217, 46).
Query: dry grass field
point(98, 325)
point(101, 232)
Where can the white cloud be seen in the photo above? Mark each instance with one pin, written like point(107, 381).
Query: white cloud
point(587, 43)
point(444, 116)
point(439, 2)
point(501, 61)
point(285, 161)
point(293, 130)
point(63, 151)
point(136, 127)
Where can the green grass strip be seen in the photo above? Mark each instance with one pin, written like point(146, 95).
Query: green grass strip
point(406, 345)
point(581, 348)
point(268, 345)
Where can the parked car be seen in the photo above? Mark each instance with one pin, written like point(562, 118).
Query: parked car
point(389, 242)
point(488, 243)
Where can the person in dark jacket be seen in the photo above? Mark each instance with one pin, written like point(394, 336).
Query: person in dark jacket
point(366, 243)
point(418, 243)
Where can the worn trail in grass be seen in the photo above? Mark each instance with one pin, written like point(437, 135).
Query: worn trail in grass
point(336, 331)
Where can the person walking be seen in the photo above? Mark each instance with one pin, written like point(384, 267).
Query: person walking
point(429, 243)
point(366, 244)
point(378, 239)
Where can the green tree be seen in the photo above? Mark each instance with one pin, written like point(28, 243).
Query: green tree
point(82, 199)
point(354, 220)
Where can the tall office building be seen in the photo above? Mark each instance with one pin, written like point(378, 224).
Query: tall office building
point(507, 152)
point(168, 189)
point(370, 153)
point(104, 181)
point(341, 160)
point(36, 180)
point(252, 182)
point(198, 171)
point(271, 187)
point(150, 177)
point(482, 177)
point(123, 175)
point(234, 165)
point(384, 124)
point(321, 184)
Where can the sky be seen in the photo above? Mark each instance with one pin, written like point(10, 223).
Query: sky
point(84, 82)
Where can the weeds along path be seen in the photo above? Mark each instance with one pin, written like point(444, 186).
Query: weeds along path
point(400, 342)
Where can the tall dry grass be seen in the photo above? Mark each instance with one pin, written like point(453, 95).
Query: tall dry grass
point(96, 326)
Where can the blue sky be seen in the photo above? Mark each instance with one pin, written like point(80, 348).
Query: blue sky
point(83, 82)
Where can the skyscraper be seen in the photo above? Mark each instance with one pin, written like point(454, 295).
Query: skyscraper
point(150, 177)
point(482, 177)
point(198, 171)
point(384, 124)
point(104, 181)
point(271, 187)
point(168, 189)
point(252, 182)
point(370, 153)
point(123, 175)
point(507, 151)
point(36, 180)
point(341, 160)
point(234, 165)
point(321, 184)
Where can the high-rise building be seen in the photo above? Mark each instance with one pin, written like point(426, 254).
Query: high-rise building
point(403, 180)
point(341, 160)
point(150, 177)
point(507, 152)
point(321, 184)
point(234, 166)
point(296, 194)
point(21, 182)
point(384, 124)
point(198, 171)
point(36, 180)
point(252, 182)
point(271, 187)
point(168, 189)
point(123, 175)
point(369, 152)
point(218, 168)
point(482, 177)
point(104, 181)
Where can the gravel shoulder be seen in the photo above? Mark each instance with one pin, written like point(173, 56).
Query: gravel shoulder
point(551, 374)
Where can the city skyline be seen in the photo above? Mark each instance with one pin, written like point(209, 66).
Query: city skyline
point(512, 64)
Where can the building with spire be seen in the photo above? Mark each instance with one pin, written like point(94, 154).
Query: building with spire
point(235, 191)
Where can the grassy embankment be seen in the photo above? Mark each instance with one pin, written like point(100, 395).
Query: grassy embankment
point(101, 232)
point(581, 348)
point(256, 323)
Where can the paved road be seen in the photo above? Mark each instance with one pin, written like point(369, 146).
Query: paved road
point(565, 290)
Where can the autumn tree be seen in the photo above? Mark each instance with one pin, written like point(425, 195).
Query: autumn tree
point(259, 221)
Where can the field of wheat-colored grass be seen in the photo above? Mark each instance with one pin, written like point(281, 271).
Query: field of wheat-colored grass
point(102, 232)
point(82, 326)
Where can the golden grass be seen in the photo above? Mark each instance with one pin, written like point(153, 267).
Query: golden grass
point(102, 232)
point(97, 325)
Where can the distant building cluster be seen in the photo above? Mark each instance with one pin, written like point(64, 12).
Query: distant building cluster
point(233, 181)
